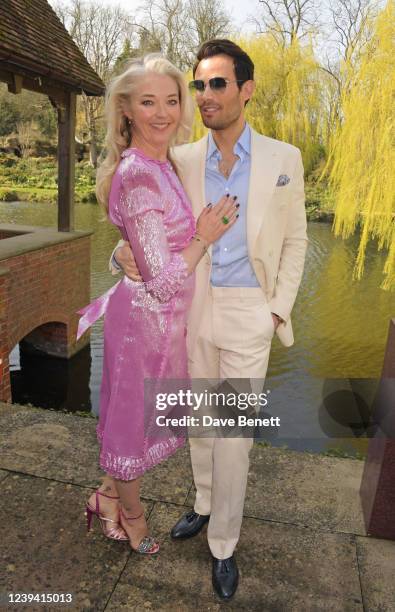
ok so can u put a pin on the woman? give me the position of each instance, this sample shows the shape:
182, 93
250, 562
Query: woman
147, 110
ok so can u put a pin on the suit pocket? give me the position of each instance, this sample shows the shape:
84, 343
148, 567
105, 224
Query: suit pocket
266, 321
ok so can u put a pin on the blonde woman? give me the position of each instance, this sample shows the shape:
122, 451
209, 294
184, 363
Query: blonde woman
148, 109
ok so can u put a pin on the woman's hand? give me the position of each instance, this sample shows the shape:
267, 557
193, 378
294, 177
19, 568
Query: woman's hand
214, 221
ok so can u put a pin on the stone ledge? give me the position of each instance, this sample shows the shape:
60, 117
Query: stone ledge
32, 238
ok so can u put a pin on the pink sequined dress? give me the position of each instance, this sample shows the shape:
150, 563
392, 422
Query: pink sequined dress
145, 322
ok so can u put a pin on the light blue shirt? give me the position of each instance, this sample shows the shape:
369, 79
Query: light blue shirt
231, 266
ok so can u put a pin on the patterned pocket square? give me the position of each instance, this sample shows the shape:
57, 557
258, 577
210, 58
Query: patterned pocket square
282, 180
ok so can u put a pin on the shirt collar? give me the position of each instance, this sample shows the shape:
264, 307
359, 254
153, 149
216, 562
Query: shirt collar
241, 148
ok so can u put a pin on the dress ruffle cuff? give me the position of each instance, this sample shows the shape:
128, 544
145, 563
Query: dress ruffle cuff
169, 280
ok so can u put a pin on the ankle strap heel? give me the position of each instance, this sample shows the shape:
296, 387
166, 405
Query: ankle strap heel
111, 529
147, 546
131, 518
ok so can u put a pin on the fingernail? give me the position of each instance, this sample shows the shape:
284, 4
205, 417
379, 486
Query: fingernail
235, 198
209, 204
237, 216
237, 205
227, 195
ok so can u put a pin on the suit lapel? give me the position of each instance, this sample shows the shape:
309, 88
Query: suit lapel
192, 167
265, 169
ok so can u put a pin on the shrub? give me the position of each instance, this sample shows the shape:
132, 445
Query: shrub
8, 196
8, 162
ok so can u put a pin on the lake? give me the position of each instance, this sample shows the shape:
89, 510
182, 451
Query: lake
318, 386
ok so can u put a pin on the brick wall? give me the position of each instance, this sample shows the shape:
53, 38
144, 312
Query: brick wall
5, 387
40, 292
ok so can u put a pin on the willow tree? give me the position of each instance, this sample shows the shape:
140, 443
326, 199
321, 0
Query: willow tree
362, 154
287, 103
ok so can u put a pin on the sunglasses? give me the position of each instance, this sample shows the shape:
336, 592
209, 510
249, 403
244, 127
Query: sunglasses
215, 84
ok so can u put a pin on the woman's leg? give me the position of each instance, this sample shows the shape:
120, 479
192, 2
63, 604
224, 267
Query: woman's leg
108, 486
132, 508
104, 502
108, 506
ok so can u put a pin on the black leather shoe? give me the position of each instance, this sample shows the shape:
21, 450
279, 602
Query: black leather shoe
189, 525
225, 577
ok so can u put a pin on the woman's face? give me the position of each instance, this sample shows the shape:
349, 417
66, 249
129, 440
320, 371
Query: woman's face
155, 111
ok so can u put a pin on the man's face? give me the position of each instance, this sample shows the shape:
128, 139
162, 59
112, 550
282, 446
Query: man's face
221, 109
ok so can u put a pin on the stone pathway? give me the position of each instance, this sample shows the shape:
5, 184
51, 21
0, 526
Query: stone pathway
303, 545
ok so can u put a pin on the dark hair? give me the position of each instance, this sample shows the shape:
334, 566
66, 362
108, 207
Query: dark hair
242, 63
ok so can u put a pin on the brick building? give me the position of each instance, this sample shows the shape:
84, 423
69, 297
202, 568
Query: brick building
44, 273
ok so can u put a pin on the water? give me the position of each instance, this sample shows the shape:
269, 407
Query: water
340, 328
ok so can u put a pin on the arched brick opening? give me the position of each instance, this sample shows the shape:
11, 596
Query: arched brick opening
50, 338
42, 374
44, 281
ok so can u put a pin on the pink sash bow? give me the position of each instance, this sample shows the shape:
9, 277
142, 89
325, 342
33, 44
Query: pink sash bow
94, 310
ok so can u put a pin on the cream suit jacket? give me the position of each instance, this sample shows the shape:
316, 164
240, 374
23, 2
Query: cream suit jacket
276, 225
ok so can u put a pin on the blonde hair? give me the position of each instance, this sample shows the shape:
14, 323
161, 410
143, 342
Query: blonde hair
119, 131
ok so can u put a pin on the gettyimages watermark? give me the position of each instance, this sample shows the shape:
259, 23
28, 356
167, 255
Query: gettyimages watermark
207, 407
267, 410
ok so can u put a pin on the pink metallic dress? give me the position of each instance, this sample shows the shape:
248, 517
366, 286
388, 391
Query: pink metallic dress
145, 322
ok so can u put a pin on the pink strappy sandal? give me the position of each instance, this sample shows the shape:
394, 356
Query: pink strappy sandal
115, 532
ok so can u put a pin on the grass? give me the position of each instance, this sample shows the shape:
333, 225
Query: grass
37, 194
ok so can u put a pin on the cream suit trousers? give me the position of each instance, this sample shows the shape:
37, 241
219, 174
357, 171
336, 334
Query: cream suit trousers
234, 341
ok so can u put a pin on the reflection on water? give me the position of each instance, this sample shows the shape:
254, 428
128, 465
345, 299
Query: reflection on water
340, 330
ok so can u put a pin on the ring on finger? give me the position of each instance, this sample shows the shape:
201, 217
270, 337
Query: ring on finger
225, 220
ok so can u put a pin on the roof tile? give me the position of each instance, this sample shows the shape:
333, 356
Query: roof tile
32, 36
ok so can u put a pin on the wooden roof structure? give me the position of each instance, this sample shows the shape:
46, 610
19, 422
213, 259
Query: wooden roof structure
35, 44
37, 53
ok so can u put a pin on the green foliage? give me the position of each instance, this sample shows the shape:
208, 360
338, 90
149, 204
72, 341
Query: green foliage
9, 117
319, 201
35, 179
8, 162
89, 196
336, 451
25, 107
362, 154
127, 53
8, 196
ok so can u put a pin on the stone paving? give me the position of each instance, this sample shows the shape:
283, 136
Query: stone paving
303, 545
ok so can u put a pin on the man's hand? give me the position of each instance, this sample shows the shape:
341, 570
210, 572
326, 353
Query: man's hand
124, 258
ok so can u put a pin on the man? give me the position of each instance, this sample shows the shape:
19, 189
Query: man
246, 284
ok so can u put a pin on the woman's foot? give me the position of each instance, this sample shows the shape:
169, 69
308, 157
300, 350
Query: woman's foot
137, 530
104, 503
